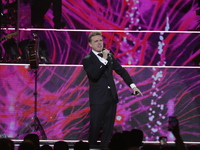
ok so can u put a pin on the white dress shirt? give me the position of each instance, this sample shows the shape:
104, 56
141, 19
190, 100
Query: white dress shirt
104, 61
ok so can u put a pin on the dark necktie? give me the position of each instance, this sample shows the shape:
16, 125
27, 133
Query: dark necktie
100, 54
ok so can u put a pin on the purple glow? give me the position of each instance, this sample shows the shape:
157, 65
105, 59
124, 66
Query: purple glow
63, 101
63, 90
140, 48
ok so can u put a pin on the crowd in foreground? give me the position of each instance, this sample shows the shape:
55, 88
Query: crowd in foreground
127, 140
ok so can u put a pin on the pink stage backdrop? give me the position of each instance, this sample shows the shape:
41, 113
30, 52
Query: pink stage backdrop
63, 101
145, 47
150, 37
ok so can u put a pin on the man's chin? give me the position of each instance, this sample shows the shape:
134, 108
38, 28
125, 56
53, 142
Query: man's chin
98, 50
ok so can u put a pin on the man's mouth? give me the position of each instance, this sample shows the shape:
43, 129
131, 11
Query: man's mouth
99, 46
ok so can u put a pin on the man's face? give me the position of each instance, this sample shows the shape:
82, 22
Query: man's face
96, 43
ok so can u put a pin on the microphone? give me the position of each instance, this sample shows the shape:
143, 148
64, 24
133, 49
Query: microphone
109, 54
136, 93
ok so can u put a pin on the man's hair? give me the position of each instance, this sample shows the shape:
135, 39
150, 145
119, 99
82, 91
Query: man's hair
93, 34
34, 138
61, 145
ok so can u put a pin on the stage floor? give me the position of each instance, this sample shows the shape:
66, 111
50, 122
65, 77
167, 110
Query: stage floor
71, 143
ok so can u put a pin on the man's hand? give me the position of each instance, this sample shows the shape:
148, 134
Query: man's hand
174, 128
105, 53
136, 91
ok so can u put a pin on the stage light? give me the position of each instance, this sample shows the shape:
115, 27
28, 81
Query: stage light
11, 51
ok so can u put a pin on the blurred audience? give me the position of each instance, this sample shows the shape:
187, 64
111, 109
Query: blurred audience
193, 147
6, 144
150, 147
134, 139
27, 145
46, 147
81, 146
117, 142
127, 140
105, 148
61, 145
174, 128
34, 138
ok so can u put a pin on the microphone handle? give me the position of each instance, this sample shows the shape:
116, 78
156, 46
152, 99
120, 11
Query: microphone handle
136, 93
109, 55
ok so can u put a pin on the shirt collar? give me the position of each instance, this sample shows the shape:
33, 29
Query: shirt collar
96, 53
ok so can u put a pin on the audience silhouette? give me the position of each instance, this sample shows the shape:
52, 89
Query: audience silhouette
176, 132
46, 147
127, 140
61, 145
27, 145
193, 147
6, 144
34, 138
81, 146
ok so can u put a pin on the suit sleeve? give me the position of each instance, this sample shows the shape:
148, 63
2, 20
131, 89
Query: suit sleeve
122, 72
94, 71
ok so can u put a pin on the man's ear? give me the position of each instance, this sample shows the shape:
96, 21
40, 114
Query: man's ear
90, 44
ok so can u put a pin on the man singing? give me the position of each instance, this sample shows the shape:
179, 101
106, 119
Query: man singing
99, 65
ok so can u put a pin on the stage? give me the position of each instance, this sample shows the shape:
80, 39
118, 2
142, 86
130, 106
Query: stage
71, 143
157, 42
62, 101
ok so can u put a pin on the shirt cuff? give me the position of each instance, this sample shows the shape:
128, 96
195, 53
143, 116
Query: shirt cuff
132, 85
104, 61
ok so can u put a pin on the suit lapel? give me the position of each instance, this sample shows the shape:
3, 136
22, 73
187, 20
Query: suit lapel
96, 62
109, 70
95, 59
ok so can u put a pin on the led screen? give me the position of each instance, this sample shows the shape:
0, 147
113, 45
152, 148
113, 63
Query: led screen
157, 41
62, 101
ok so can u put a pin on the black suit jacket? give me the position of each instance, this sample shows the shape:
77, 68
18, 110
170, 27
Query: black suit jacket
101, 76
